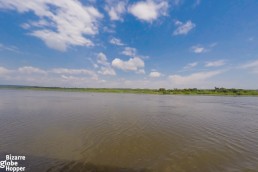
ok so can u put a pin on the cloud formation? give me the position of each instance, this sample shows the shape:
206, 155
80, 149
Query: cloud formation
183, 28
194, 78
31, 70
116, 41
61, 23
149, 10
64, 77
198, 49
9, 48
133, 64
155, 74
105, 66
253, 66
190, 65
71, 71
216, 63
116, 9
4, 71
128, 51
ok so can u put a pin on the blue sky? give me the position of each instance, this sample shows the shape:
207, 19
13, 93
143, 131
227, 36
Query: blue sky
129, 43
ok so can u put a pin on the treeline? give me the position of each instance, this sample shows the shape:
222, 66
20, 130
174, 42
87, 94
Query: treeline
188, 91
215, 91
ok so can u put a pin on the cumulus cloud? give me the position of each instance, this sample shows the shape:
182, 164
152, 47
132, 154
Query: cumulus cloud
128, 51
149, 10
116, 9
155, 74
107, 70
116, 41
133, 64
66, 77
105, 66
61, 23
102, 59
183, 28
216, 63
141, 71
194, 78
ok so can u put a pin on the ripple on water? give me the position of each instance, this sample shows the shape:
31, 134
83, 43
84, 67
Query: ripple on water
116, 132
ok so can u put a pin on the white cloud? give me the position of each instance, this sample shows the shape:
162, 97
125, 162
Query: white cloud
77, 80
105, 68
95, 65
141, 71
74, 78
216, 63
253, 66
128, 51
133, 64
40, 24
71, 21
183, 28
149, 10
198, 49
31, 70
54, 77
9, 48
4, 71
115, 9
63, 77
190, 65
116, 41
108, 29
102, 59
194, 78
155, 74
73, 71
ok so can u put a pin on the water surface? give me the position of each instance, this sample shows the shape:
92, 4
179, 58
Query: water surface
69, 131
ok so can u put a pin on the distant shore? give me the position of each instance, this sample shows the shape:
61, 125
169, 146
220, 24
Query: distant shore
160, 91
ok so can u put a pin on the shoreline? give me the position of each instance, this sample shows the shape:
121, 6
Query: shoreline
161, 91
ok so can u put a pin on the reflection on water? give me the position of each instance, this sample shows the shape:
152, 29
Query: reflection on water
62, 131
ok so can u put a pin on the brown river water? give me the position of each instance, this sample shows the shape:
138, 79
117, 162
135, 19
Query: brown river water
106, 132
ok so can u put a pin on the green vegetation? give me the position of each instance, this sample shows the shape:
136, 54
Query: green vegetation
189, 91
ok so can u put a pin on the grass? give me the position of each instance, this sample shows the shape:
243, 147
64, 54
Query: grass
190, 91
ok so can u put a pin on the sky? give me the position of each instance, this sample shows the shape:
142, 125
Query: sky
129, 43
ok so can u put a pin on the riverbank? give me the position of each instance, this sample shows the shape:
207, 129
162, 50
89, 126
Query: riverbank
190, 91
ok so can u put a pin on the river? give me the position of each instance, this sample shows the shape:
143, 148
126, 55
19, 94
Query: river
72, 131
